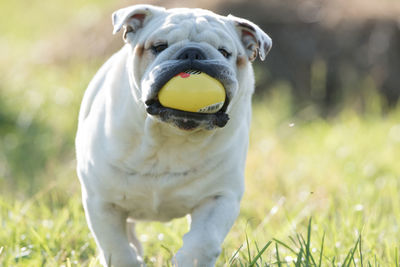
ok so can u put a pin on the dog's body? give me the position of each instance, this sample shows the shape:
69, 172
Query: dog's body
139, 160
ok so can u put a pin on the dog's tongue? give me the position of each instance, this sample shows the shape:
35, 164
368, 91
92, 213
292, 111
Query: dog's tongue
183, 75
187, 73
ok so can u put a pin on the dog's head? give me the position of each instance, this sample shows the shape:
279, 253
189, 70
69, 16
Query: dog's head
167, 42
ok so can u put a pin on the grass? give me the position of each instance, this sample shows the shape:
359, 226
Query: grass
319, 191
342, 173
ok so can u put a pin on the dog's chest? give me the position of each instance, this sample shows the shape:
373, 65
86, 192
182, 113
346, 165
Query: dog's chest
166, 183
161, 175
154, 205
164, 197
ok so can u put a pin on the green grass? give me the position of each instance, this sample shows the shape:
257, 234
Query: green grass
319, 191
342, 173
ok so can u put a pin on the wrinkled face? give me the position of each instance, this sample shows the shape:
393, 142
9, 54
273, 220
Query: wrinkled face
166, 43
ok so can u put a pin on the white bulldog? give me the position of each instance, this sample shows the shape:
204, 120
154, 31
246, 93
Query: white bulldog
138, 160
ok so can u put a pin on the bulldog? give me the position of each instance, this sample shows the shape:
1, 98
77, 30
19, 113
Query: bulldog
140, 161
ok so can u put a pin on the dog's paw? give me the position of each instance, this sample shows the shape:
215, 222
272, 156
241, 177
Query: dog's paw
201, 257
122, 261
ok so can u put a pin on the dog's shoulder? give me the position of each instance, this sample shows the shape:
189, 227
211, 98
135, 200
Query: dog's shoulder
98, 81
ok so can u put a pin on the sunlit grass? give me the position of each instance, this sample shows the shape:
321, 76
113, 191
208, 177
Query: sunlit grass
340, 172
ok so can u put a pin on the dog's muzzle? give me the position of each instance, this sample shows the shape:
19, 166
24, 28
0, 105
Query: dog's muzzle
189, 58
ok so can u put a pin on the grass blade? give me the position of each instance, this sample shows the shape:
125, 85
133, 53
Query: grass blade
171, 254
322, 249
248, 248
253, 262
277, 255
360, 251
286, 246
305, 247
258, 251
293, 240
298, 260
350, 255
233, 258
308, 252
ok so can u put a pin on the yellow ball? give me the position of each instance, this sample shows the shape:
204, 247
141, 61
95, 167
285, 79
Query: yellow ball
193, 91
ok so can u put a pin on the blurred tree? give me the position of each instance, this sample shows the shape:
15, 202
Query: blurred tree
328, 49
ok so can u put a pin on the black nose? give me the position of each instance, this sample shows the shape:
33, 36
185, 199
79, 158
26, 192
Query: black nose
191, 53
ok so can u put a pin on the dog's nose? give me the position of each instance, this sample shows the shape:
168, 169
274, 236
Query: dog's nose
191, 53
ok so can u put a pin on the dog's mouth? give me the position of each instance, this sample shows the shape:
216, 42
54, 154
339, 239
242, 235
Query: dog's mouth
187, 120
182, 119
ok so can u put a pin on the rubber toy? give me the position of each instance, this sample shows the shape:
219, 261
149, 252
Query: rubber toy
193, 91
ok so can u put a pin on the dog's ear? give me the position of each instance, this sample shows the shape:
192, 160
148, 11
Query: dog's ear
133, 18
255, 41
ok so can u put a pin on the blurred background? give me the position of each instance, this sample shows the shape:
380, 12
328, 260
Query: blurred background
327, 56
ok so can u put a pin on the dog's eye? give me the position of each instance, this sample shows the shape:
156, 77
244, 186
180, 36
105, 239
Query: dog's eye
159, 48
224, 52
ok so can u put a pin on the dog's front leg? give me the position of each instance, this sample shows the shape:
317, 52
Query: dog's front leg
211, 222
108, 225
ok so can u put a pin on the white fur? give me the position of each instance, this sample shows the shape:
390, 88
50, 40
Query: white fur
132, 165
